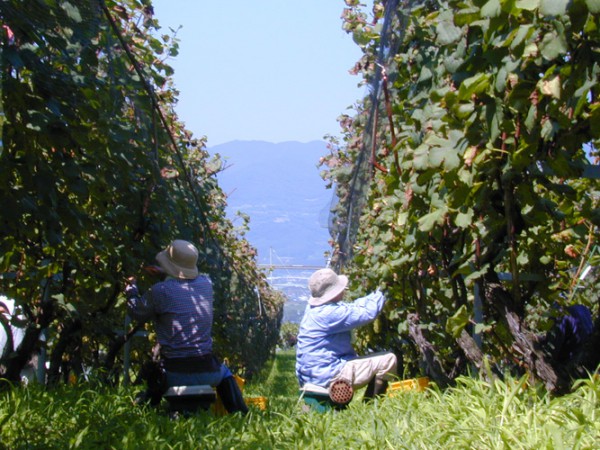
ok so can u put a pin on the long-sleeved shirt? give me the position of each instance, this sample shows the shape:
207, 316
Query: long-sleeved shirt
182, 311
325, 340
13, 334
569, 333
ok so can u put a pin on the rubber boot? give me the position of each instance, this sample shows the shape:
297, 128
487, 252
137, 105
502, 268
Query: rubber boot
153, 375
375, 388
231, 396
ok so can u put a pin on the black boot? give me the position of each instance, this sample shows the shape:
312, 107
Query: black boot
153, 375
375, 388
231, 396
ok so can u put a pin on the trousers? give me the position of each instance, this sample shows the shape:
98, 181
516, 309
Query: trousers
361, 370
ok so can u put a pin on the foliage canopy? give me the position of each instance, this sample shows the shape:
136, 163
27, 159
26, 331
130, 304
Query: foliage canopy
464, 176
98, 174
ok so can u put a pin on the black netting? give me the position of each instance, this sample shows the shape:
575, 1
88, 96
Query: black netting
345, 217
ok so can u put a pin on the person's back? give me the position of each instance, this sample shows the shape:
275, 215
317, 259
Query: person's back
182, 310
568, 334
12, 332
10, 335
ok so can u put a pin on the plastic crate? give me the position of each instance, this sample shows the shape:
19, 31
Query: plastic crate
413, 384
218, 409
260, 402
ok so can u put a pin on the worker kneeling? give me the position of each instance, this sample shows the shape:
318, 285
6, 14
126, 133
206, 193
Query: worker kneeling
324, 353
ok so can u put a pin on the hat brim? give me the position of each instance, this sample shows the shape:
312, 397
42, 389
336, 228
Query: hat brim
173, 269
331, 293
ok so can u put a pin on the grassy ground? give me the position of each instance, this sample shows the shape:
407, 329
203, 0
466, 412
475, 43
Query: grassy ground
474, 415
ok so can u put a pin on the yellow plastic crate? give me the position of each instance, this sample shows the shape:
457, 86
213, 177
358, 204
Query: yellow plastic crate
218, 409
414, 384
259, 402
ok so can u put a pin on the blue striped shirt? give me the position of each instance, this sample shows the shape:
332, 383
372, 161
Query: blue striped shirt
182, 312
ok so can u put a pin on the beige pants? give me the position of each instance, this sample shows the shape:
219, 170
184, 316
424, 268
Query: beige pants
361, 370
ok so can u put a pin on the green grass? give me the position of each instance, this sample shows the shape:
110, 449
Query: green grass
473, 415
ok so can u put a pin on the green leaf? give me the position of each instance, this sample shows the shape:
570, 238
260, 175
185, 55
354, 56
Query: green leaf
465, 176
464, 220
521, 33
473, 85
436, 157
523, 258
464, 110
501, 78
491, 9
481, 328
593, 6
474, 274
361, 38
531, 118
80, 437
421, 157
551, 87
451, 158
458, 321
494, 115
447, 33
582, 93
528, 5
595, 120
530, 49
553, 7
428, 221
466, 16
402, 218
553, 46
425, 74
72, 11
453, 62
548, 130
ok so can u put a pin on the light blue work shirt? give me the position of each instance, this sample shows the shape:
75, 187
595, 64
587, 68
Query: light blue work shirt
325, 338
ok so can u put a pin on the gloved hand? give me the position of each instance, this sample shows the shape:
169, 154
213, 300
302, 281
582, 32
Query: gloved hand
382, 287
156, 271
131, 289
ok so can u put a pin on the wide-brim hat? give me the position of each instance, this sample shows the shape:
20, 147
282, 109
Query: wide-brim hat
325, 285
179, 259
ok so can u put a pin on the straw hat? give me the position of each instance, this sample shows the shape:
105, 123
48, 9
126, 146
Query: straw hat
179, 259
325, 285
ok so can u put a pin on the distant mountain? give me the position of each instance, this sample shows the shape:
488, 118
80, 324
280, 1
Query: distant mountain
279, 187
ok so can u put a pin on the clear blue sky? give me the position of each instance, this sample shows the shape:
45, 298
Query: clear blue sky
271, 70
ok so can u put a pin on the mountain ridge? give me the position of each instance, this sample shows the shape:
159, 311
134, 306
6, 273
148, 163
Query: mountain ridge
279, 187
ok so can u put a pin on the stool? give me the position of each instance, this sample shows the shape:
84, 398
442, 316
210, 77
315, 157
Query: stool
189, 399
319, 398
